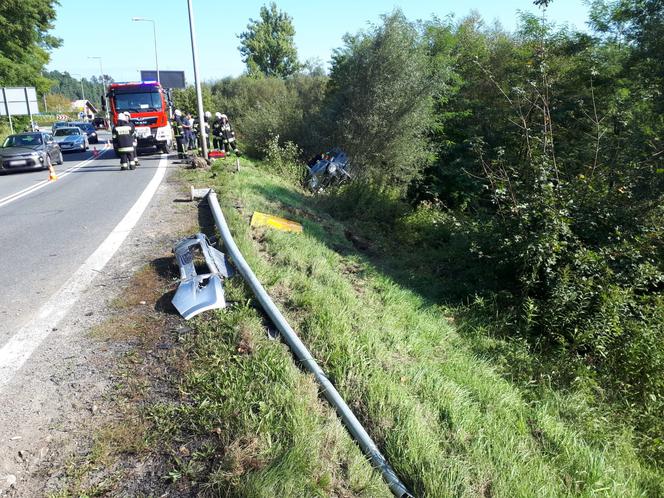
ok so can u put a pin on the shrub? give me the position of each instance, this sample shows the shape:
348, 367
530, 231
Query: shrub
284, 160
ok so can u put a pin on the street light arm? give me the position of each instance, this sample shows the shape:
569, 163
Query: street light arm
154, 33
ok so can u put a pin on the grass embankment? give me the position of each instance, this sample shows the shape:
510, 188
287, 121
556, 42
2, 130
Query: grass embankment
445, 419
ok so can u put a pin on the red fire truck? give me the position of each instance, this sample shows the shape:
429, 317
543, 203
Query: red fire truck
147, 105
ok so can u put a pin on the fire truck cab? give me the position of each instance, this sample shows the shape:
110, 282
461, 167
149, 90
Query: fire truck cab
146, 103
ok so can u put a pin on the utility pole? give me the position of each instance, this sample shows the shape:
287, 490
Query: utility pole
197, 81
103, 84
154, 33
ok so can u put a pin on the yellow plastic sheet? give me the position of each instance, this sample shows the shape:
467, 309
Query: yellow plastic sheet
267, 220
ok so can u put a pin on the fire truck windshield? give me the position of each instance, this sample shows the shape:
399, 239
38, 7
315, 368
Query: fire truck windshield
138, 102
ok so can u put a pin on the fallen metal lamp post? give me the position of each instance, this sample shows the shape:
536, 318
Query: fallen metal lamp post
304, 356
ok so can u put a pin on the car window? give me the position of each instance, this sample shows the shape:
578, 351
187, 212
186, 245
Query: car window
60, 132
22, 141
84, 126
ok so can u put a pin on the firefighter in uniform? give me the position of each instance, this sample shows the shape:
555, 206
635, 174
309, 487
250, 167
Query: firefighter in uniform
217, 140
228, 136
176, 123
123, 140
134, 156
206, 122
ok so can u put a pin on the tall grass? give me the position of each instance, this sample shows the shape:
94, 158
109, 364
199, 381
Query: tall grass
444, 417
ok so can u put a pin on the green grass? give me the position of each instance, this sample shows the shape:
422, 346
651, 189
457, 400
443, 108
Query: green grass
444, 416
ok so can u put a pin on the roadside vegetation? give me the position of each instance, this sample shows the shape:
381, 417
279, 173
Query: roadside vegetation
435, 390
523, 171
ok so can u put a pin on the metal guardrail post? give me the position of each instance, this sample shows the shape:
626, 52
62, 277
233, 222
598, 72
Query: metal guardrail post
304, 356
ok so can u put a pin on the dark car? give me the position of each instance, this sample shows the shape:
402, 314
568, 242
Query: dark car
25, 151
89, 129
58, 124
100, 123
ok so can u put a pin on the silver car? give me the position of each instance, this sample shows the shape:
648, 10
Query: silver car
71, 138
26, 151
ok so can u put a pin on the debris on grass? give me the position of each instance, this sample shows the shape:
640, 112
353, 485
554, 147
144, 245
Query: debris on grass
267, 220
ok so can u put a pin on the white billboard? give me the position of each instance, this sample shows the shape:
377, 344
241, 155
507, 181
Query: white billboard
18, 101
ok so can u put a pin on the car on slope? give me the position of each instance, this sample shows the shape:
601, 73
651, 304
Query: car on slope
26, 151
71, 138
89, 130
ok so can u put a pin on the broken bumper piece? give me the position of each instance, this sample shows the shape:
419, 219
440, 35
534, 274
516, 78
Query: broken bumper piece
199, 292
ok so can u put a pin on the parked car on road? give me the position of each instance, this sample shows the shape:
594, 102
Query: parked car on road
59, 124
71, 138
25, 151
100, 123
89, 130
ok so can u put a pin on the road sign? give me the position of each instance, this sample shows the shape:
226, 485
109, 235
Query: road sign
18, 101
168, 79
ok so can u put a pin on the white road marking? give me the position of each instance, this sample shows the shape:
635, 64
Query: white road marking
22, 193
20, 347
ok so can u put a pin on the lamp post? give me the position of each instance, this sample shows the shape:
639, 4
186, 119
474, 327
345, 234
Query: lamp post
103, 83
154, 33
197, 81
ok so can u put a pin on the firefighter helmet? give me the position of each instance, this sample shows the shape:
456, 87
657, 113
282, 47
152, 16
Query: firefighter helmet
217, 115
208, 114
178, 112
223, 116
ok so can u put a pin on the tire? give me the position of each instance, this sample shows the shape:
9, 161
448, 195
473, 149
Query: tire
165, 148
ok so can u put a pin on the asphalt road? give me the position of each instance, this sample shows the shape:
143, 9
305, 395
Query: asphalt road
47, 233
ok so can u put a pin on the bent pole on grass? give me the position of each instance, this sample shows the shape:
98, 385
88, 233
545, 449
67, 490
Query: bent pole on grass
304, 356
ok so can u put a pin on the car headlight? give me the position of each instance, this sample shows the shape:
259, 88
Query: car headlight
332, 168
93, 134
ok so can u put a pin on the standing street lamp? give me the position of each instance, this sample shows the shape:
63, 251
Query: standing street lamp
197, 81
154, 32
103, 83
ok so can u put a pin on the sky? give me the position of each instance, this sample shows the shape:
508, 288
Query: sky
126, 47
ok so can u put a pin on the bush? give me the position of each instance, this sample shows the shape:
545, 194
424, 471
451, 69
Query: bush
380, 98
284, 160
262, 108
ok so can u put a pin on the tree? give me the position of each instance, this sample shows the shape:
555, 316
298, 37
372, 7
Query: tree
56, 102
25, 42
185, 100
69, 86
267, 46
380, 99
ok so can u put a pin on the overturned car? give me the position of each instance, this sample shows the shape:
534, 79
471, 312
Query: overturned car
328, 169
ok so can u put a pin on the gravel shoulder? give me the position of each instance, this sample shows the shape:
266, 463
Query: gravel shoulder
54, 406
